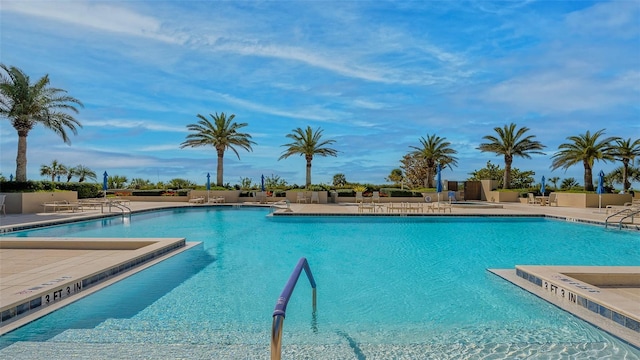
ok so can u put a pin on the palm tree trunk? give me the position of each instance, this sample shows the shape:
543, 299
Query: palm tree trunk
588, 176
308, 182
21, 158
220, 169
506, 180
625, 179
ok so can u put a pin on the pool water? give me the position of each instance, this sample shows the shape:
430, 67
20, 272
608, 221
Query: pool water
387, 287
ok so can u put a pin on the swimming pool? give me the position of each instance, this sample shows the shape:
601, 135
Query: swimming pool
387, 287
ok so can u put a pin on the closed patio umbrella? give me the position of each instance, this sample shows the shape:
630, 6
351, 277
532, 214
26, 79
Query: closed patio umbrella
600, 188
542, 187
104, 183
438, 182
208, 185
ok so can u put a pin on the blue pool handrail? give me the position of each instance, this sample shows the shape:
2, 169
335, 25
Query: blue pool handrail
279, 312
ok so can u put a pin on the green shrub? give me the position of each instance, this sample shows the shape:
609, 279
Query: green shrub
394, 192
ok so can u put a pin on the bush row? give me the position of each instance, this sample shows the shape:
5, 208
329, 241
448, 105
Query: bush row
85, 190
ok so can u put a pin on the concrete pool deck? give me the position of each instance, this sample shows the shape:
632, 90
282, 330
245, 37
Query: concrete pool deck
28, 259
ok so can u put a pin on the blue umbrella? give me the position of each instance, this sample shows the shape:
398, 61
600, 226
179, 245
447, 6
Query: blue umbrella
438, 182
104, 183
600, 189
262, 183
208, 182
542, 188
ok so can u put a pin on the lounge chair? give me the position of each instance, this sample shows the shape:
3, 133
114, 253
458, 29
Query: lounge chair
359, 197
532, 199
375, 197
553, 199
2, 207
197, 200
301, 197
315, 197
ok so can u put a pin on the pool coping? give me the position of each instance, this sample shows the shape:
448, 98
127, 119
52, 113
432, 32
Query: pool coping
593, 304
63, 289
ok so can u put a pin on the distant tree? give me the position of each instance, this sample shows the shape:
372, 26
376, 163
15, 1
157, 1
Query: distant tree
509, 143
339, 180
519, 179
245, 183
140, 184
626, 151
584, 149
274, 182
617, 175
490, 172
415, 170
178, 183
554, 180
116, 182
27, 104
308, 143
435, 150
55, 169
569, 183
83, 173
222, 134
395, 176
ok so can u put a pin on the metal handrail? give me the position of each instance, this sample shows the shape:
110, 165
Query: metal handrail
632, 211
631, 215
281, 305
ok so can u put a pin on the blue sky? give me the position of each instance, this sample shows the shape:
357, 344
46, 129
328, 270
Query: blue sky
375, 76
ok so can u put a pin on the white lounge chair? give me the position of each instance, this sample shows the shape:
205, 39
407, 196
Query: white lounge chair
553, 199
301, 197
532, 199
2, 207
315, 197
359, 197
375, 197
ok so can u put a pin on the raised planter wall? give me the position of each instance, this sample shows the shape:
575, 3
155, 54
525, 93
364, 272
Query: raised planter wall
503, 196
31, 203
591, 200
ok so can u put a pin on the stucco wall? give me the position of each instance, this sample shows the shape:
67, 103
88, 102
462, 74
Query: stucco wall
31, 203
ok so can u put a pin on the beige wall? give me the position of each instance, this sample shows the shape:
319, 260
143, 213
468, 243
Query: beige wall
31, 203
487, 188
591, 200
503, 196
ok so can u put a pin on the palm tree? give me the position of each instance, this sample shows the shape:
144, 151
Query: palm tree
554, 180
308, 143
626, 151
83, 173
26, 104
435, 150
56, 169
510, 143
222, 135
569, 183
586, 149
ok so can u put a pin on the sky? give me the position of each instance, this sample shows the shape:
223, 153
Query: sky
375, 76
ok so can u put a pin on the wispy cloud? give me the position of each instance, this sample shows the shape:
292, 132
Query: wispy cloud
96, 15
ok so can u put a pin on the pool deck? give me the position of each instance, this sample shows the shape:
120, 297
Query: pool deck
47, 267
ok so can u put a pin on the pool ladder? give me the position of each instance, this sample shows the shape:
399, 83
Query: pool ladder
281, 306
630, 213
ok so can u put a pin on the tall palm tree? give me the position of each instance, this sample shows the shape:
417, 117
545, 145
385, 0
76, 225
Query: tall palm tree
509, 143
435, 150
26, 105
56, 169
308, 143
584, 149
222, 134
626, 151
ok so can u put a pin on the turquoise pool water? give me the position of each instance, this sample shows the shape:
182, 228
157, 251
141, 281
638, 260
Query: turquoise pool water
385, 286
